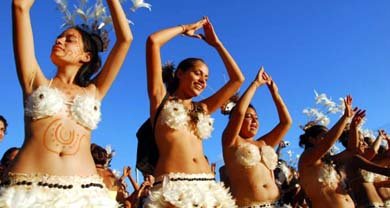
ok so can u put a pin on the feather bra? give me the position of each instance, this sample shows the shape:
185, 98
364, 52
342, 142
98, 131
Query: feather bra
175, 115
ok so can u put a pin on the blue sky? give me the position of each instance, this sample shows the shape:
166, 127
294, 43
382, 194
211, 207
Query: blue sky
336, 47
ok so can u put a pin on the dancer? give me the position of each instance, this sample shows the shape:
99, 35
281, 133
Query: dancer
54, 167
182, 169
250, 163
359, 171
319, 179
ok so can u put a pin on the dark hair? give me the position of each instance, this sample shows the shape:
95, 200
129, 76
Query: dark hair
99, 154
6, 159
312, 131
169, 73
249, 106
92, 44
4, 122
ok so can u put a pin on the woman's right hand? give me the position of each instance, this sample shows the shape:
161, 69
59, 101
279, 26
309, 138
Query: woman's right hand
348, 111
126, 171
190, 29
261, 78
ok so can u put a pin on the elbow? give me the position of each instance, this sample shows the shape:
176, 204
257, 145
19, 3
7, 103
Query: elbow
127, 39
287, 121
240, 79
152, 40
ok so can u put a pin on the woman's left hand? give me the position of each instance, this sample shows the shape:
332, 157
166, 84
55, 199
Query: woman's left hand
209, 34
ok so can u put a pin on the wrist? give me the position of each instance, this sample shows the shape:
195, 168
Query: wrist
256, 84
183, 29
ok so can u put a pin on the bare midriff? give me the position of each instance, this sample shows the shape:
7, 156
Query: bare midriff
250, 185
55, 145
180, 151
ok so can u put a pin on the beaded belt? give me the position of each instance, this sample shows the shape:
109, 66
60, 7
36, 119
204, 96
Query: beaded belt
49, 185
185, 177
275, 204
53, 182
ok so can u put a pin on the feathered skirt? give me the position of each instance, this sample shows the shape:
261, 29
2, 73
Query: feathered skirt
189, 190
42, 190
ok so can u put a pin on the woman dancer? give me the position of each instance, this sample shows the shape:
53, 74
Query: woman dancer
319, 179
183, 176
250, 163
54, 167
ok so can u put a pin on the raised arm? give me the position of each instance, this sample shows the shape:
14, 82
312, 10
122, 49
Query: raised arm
156, 88
377, 143
233, 128
236, 78
127, 173
274, 137
314, 154
29, 72
353, 135
118, 53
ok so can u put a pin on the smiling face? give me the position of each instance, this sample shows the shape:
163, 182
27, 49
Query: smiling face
193, 81
69, 49
250, 124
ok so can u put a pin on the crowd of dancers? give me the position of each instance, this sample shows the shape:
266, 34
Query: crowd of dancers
57, 166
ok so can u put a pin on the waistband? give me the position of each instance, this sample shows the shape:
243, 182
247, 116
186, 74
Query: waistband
52, 181
262, 205
198, 177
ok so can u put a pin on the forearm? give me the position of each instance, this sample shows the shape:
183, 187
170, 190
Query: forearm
121, 25
377, 144
133, 182
23, 42
161, 37
232, 68
284, 115
335, 132
353, 138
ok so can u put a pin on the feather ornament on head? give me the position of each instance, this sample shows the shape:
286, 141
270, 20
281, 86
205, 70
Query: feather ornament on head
319, 115
228, 106
110, 155
94, 18
139, 4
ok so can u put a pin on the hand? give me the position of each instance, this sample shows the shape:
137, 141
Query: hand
209, 34
190, 29
127, 171
283, 144
262, 77
213, 167
382, 134
358, 117
348, 112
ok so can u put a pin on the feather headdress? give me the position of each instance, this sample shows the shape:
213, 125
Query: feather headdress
319, 115
94, 18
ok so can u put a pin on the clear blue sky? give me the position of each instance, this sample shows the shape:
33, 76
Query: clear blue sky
336, 47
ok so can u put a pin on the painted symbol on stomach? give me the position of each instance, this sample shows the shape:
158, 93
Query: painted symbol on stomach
61, 140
